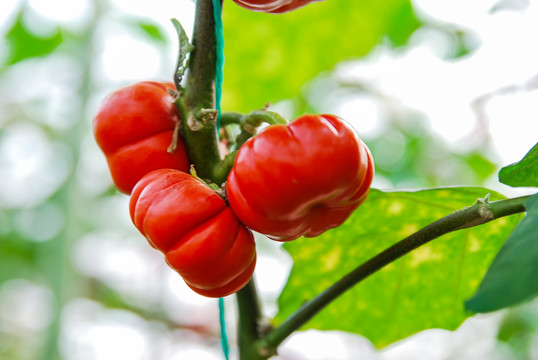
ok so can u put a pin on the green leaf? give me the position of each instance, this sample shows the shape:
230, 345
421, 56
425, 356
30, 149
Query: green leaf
402, 23
522, 173
22, 44
513, 275
17, 258
481, 166
185, 47
148, 28
270, 57
424, 289
518, 329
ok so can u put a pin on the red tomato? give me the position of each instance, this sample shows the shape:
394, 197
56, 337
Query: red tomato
198, 233
292, 5
134, 127
300, 179
272, 6
261, 5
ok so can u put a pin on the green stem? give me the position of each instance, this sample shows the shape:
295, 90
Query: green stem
222, 170
250, 321
253, 120
200, 84
197, 105
200, 136
249, 124
480, 213
229, 118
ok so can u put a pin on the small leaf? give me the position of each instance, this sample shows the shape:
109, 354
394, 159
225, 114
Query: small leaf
185, 47
513, 275
424, 289
522, 173
22, 44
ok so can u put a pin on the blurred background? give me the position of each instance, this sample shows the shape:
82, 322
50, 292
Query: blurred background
443, 92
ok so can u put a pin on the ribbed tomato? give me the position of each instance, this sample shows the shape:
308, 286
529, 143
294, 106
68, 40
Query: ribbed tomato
300, 179
273, 6
134, 127
198, 233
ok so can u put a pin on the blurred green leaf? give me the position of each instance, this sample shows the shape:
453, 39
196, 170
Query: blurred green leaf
402, 23
422, 290
481, 166
464, 44
513, 325
512, 277
23, 44
517, 330
17, 258
148, 28
270, 57
522, 173
409, 155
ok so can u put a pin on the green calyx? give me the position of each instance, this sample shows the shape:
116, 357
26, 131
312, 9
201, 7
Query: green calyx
246, 126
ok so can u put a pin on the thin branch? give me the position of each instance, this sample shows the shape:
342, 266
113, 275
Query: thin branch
477, 214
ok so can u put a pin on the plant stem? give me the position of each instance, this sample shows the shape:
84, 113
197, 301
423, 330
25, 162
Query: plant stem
197, 105
250, 317
200, 86
477, 214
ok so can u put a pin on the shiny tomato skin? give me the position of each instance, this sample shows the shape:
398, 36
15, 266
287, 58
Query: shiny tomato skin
262, 5
292, 6
197, 232
134, 127
300, 179
272, 6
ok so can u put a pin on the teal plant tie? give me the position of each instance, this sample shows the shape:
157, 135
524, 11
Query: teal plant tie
223, 336
217, 14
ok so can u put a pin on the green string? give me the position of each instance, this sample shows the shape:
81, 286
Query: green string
223, 336
217, 14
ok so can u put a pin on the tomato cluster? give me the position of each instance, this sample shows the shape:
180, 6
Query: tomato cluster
190, 223
273, 6
299, 179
